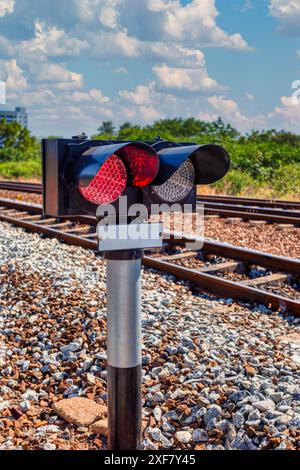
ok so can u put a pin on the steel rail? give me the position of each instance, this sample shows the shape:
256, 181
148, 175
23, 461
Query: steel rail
21, 187
251, 209
274, 203
245, 215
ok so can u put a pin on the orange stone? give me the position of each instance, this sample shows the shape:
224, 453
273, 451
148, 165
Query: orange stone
100, 427
80, 411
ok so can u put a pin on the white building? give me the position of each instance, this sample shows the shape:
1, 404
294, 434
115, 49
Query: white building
18, 115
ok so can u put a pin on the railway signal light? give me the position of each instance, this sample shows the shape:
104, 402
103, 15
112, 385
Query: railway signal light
80, 174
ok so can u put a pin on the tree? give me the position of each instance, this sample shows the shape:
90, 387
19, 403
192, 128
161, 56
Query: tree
16, 143
126, 125
107, 127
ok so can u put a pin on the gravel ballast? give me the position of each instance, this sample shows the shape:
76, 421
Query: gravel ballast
217, 375
267, 237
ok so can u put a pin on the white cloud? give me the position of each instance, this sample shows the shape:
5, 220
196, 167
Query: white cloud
288, 13
207, 116
109, 14
194, 24
6, 47
284, 9
197, 21
287, 114
174, 54
6, 6
192, 80
249, 96
220, 103
166, 20
228, 109
141, 96
35, 98
128, 45
12, 74
150, 113
51, 41
121, 70
248, 5
141, 114
120, 44
105, 11
146, 104
162, 20
92, 96
144, 95
54, 97
105, 45
56, 74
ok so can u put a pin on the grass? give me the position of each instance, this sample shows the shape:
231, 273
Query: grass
26, 170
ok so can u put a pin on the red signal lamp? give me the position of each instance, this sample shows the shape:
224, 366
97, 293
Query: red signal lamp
108, 184
143, 164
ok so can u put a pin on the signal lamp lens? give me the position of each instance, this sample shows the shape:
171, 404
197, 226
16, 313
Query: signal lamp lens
143, 164
108, 184
177, 187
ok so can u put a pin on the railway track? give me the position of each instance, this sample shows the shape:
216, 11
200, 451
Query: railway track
35, 188
280, 212
279, 216
220, 263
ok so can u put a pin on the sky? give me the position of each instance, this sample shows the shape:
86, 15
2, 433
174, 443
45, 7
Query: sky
76, 63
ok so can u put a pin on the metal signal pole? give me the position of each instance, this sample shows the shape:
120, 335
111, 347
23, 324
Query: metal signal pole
124, 349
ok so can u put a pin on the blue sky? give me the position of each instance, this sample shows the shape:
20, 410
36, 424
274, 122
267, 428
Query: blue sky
74, 63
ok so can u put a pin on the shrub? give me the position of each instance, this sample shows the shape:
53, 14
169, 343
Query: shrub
236, 183
25, 169
287, 180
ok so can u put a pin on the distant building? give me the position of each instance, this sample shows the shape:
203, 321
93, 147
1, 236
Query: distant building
18, 115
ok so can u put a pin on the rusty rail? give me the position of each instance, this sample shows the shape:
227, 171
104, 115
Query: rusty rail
244, 201
21, 187
224, 287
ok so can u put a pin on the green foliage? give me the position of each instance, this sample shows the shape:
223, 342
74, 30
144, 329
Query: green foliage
286, 180
237, 183
107, 127
19, 152
16, 143
20, 169
262, 159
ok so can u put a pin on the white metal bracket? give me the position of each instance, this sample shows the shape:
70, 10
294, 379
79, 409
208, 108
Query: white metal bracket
130, 236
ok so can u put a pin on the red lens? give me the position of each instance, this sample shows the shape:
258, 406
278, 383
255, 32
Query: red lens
143, 164
108, 184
